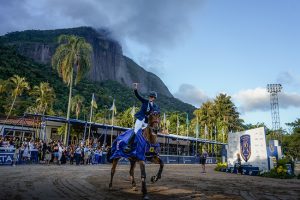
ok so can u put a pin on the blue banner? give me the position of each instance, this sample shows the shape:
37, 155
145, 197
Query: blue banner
6, 156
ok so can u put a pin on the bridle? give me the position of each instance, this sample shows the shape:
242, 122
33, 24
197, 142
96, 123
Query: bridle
155, 121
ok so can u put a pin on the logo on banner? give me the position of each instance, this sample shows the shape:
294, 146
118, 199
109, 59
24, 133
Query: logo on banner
245, 145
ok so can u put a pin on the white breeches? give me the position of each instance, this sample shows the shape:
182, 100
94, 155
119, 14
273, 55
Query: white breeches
139, 124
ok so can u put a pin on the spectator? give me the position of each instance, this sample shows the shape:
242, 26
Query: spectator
48, 156
72, 154
26, 154
78, 155
55, 153
16, 155
60, 152
203, 160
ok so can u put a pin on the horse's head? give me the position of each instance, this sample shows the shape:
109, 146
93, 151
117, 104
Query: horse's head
154, 121
150, 133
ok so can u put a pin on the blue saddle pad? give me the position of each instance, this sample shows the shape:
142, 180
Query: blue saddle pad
139, 146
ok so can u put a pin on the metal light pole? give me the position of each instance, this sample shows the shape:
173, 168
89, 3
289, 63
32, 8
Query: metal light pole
274, 89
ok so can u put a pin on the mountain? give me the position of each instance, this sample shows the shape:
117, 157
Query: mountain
108, 61
12, 62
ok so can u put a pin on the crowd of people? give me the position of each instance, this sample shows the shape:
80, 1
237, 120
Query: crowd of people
39, 151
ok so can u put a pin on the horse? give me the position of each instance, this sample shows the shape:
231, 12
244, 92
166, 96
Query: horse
150, 135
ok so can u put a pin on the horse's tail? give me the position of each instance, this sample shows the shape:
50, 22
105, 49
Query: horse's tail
108, 155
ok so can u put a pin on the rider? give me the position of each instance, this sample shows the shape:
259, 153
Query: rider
148, 105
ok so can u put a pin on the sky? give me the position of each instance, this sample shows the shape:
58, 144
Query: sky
199, 48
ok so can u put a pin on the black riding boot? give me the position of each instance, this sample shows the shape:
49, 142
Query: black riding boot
128, 147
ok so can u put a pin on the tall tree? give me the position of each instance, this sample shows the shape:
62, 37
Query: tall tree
3, 84
45, 96
77, 104
290, 142
73, 54
18, 86
218, 115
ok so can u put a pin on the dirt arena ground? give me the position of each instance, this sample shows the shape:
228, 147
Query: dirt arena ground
178, 182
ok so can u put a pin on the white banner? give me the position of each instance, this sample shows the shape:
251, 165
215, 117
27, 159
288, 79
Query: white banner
251, 145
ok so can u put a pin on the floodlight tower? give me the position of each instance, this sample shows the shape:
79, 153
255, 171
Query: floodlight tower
274, 89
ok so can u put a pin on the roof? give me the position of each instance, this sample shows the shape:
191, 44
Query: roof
21, 121
99, 125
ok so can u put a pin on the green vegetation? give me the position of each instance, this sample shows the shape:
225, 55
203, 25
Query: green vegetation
220, 166
218, 116
291, 141
46, 36
280, 171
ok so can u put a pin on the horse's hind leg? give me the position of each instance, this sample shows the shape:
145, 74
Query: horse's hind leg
143, 177
131, 173
113, 170
159, 161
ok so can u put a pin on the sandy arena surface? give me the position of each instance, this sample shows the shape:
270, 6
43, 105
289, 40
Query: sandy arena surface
178, 182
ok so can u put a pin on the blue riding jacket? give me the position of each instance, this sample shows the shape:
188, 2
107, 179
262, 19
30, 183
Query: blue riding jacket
146, 108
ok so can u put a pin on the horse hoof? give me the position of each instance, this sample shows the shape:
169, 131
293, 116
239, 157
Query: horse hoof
110, 186
146, 197
134, 189
153, 179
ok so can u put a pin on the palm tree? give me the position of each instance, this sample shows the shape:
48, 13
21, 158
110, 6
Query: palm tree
76, 105
73, 54
3, 84
19, 85
45, 97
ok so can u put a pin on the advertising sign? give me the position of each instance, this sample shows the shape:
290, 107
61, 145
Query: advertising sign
251, 146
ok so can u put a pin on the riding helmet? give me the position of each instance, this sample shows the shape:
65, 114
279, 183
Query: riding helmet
153, 94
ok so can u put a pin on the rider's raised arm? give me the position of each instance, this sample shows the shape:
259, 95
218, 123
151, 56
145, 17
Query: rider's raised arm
139, 96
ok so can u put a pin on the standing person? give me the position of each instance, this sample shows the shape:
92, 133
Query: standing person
238, 164
16, 155
148, 105
55, 153
72, 154
48, 156
78, 155
203, 160
44, 149
60, 152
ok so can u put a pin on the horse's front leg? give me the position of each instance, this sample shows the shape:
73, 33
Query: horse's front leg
113, 171
159, 161
143, 178
131, 173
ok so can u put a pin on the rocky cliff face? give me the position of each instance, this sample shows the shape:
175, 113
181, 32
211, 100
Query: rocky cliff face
108, 61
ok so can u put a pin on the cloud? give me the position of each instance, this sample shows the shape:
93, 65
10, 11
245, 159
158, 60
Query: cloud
190, 94
154, 23
258, 99
288, 78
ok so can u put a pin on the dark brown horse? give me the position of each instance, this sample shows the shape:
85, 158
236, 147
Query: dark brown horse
150, 135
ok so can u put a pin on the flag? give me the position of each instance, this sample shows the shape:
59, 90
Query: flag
197, 128
187, 124
187, 119
93, 102
177, 126
205, 130
132, 111
215, 132
113, 107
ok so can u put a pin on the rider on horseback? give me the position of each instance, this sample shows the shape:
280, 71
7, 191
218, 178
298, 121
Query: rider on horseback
148, 105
